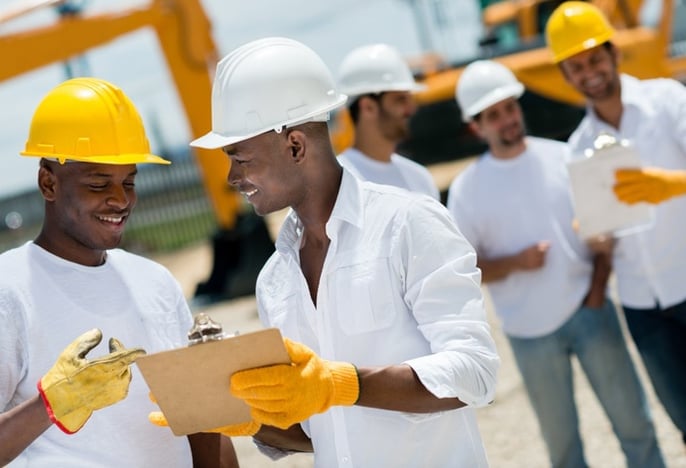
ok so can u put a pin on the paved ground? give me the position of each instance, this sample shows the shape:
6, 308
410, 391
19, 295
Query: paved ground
508, 427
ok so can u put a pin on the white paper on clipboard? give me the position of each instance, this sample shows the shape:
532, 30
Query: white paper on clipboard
597, 209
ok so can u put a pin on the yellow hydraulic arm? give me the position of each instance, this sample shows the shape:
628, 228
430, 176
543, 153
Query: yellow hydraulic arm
184, 34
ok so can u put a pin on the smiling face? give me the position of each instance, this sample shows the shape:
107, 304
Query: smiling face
87, 206
264, 169
593, 73
502, 127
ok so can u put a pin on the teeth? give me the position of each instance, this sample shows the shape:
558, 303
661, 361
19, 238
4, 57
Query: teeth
250, 193
110, 219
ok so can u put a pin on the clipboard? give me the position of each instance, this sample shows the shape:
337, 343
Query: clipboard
597, 209
191, 385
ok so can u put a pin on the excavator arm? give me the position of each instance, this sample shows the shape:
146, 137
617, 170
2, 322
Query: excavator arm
184, 34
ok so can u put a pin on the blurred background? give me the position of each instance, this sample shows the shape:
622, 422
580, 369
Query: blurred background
163, 54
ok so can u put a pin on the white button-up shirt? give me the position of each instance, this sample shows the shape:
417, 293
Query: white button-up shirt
399, 284
650, 265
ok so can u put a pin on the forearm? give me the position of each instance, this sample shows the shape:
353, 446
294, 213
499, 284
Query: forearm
398, 388
496, 269
602, 267
20, 426
212, 451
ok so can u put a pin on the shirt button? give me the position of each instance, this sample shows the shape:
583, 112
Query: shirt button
345, 459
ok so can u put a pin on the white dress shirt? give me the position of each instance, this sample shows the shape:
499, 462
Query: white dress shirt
399, 172
650, 265
399, 284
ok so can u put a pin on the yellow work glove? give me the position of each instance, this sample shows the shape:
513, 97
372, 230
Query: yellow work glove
75, 387
249, 428
286, 394
650, 184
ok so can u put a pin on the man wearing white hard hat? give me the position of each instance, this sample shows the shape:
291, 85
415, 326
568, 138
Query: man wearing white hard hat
379, 86
374, 289
548, 287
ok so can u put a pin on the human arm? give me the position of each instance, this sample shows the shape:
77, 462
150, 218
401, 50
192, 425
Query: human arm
20, 426
530, 258
602, 248
430, 281
69, 393
212, 451
649, 184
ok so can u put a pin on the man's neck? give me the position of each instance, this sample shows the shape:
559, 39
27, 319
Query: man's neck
610, 111
374, 147
508, 152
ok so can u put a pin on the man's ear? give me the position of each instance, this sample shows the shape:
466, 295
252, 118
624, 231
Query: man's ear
474, 128
47, 182
368, 105
297, 144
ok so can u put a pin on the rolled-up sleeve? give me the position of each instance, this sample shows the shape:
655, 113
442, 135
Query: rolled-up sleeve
443, 289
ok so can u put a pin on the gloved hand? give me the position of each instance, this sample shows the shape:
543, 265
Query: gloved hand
650, 184
286, 394
75, 387
249, 428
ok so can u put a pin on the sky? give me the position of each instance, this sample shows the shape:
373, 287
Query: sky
134, 62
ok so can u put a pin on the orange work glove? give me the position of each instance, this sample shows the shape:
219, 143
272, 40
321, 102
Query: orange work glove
286, 394
249, 428
75, 387
650, 184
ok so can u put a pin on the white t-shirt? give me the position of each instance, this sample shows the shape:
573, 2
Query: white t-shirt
45, 303
504, 206
399, 172
399, 284
649, 265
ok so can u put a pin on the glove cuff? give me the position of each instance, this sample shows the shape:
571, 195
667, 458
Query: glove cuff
346, 383
51, 412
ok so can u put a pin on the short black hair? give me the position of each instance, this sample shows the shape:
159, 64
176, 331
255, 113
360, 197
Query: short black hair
354, 106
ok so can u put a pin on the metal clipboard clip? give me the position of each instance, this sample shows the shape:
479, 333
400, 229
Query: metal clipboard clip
597, 209
205, 329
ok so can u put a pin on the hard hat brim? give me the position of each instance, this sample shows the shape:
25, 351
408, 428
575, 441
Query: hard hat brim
215, 140
515, 90
118, 159
356, 91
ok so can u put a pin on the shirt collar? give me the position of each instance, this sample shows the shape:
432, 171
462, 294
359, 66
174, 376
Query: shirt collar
347, 209
632, 96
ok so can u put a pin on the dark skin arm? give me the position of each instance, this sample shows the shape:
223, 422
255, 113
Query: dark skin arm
602, 266
20, 426
602, 247
395, 388
212, 451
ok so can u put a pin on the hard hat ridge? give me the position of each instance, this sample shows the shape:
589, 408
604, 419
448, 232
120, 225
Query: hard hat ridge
266, 85
484, 83
574, 27
88, 120
375, 68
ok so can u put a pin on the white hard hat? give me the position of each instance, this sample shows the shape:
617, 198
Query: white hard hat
374, 69
266, 85
484, 83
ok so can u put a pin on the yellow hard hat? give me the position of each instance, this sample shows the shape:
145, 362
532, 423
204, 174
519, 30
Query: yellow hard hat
89, 120
575, 27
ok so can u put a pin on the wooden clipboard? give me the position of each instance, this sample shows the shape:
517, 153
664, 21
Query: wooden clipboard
191, 385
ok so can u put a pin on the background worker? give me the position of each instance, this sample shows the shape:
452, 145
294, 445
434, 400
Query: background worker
72, 278
651, 114
379, 86
514, 205
375, 286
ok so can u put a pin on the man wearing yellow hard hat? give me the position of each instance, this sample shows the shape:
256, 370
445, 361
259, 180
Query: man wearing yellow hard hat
60, 293
651, 114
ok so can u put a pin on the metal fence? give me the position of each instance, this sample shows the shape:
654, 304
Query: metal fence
172, 211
